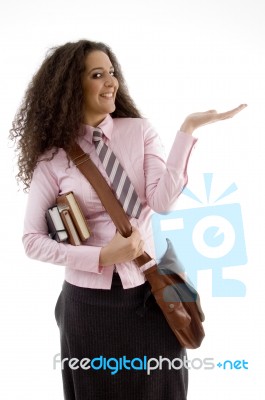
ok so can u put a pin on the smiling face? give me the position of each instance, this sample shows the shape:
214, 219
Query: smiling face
99, 88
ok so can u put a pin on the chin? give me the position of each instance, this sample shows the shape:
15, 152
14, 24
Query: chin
111, 109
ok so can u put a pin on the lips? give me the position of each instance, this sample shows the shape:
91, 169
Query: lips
107, 95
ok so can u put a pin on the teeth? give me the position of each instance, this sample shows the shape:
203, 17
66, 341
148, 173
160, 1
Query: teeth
107, 95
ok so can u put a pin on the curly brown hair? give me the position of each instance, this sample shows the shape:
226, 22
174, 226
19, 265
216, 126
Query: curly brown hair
51, 112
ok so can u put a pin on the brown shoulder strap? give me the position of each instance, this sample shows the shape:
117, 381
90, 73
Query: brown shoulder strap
106, 195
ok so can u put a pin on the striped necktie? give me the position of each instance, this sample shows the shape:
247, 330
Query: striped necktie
120, 182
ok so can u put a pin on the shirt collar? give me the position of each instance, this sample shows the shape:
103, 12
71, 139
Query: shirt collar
106, 126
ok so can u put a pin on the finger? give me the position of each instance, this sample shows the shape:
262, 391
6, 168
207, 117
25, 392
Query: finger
135, 233
134, 230
136, 237
231, 113
211, 111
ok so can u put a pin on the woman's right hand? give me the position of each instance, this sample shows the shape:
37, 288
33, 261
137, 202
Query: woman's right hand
121, 249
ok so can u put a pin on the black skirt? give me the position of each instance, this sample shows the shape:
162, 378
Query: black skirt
108, 338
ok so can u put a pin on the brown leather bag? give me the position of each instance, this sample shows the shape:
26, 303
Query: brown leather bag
177, 299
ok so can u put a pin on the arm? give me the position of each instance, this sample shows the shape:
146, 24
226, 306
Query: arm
43, 192
165, 181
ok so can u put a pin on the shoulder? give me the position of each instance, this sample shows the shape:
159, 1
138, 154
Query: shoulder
55, 154
52, 160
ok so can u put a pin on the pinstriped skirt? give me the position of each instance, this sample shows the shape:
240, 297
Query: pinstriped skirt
108, 338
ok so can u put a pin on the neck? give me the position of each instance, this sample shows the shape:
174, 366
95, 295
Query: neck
93, 121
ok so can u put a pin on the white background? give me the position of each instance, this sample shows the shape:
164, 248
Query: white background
178, 57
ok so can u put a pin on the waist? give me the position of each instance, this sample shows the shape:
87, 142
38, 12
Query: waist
116, 296
130, 276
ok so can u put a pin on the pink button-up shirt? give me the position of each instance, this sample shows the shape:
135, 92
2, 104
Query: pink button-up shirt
157, 182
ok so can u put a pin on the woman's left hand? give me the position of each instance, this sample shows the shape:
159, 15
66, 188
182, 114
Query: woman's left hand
194, 121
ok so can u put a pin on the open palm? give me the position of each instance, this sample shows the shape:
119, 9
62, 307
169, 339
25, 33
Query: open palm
195, 120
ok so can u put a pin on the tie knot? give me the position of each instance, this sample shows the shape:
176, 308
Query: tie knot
97, 136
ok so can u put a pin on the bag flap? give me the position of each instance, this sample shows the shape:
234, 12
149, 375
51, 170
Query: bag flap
170, 264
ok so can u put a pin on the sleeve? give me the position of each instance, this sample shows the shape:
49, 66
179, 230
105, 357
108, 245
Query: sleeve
38, 245
165, 180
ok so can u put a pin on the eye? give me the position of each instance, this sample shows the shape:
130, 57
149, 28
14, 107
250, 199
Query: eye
97, 75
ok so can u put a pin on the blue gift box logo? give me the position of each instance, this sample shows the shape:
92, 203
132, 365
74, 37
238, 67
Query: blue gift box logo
209, 237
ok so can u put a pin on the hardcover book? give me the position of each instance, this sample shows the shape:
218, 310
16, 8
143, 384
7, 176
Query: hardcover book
73, 237
69, 201
55, 224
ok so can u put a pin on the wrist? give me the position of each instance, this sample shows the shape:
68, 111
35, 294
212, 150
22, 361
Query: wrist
102, 257
187, 128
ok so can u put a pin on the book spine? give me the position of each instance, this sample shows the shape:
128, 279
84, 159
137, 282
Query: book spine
71, 230
56, 228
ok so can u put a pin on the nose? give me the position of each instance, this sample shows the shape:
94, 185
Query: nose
110, 81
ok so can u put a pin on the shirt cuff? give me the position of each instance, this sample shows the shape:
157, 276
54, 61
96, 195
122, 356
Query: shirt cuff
84, 258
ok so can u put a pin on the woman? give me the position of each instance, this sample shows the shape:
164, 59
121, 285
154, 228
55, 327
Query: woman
107, 330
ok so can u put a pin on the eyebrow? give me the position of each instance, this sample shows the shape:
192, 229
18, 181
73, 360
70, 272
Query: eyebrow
93, 69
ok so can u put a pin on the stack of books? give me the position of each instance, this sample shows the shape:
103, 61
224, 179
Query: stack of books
66, 221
